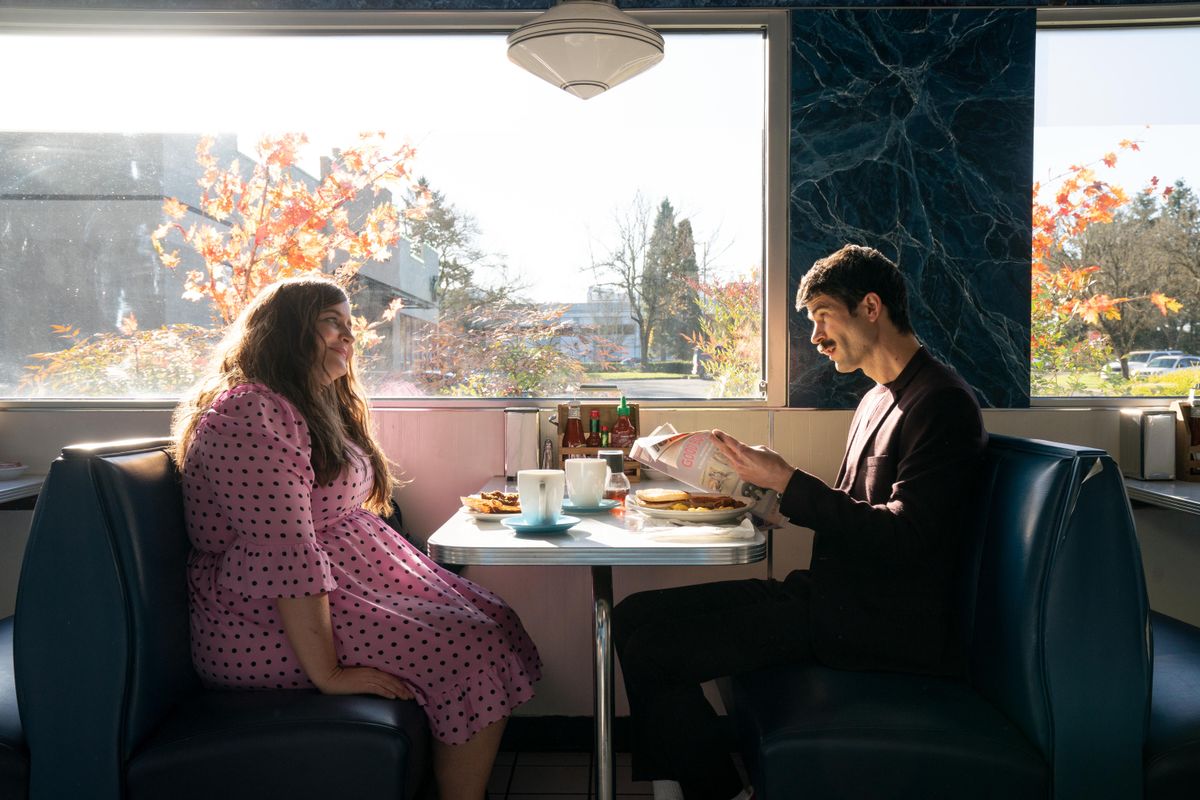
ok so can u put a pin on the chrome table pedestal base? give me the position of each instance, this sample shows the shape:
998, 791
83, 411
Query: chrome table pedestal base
602, 673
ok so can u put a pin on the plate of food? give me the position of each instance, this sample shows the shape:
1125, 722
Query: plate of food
492, 505
676, 504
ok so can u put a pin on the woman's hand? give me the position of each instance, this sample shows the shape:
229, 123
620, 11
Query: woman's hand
309, 630
364, 680
758, 465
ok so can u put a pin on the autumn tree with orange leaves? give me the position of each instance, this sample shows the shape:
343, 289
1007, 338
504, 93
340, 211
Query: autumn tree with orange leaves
251, 227
271, 224
1066, 341
729, 341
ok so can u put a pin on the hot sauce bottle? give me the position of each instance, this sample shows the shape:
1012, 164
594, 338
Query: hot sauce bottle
623, 432
593, 437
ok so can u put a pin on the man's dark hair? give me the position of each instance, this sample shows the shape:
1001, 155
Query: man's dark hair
852, 272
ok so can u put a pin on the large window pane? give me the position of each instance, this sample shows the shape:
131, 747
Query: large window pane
529, 244
1116, 212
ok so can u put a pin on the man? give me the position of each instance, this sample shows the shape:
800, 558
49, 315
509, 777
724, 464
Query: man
878, 593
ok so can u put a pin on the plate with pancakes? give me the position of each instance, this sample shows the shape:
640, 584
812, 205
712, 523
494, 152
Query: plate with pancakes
678, 505
492, 505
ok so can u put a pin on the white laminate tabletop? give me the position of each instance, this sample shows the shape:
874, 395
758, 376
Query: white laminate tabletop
598, 539
1177, 495
18, 488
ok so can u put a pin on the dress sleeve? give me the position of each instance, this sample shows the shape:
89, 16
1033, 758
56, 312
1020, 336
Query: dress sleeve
257, 458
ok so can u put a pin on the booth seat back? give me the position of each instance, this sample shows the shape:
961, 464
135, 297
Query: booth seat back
102, 640
14, 757
1056, 614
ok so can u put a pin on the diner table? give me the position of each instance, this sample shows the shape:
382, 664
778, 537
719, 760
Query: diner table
600, 541
19, 493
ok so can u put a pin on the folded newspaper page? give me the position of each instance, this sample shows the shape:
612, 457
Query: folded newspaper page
693, 458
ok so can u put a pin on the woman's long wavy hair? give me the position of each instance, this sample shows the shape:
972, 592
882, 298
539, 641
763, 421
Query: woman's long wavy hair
274, 342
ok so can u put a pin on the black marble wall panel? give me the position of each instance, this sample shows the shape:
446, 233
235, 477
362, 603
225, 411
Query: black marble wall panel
912, 132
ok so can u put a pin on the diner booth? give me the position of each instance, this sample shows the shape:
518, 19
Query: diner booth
932, 164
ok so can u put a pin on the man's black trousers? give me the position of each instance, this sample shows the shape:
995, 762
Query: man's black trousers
672, 640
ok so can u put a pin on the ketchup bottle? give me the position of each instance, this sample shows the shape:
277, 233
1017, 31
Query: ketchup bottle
573, 433
593, 437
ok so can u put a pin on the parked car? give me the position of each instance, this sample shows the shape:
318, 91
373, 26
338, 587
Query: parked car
1157, 366
1137, 359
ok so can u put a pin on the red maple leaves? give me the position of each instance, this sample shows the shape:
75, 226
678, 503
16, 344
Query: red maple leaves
278, 222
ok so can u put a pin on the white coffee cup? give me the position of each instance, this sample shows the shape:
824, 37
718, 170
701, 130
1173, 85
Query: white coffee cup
541, 493
585, 480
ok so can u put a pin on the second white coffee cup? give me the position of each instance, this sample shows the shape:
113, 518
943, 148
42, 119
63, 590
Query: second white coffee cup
541, 493
585, 480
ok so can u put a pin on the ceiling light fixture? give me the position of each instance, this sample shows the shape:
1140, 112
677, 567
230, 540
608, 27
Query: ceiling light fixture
585, 46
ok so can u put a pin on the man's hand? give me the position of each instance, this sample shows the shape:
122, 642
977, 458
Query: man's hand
364, 680
758, 465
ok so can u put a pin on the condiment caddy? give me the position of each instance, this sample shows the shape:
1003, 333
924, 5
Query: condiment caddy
577, 420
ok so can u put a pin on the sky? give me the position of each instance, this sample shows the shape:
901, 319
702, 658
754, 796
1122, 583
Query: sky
542, 172
1097, 87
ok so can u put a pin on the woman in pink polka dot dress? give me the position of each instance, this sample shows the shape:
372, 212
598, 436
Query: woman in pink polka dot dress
294, 582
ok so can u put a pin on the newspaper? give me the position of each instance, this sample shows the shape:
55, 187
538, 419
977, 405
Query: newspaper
693, 458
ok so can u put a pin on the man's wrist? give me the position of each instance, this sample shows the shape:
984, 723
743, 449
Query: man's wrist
781, 483
789, 479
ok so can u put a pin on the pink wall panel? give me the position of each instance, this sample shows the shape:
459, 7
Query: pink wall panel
445, 454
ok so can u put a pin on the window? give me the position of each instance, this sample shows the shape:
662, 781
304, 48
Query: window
1116, 304
527, 244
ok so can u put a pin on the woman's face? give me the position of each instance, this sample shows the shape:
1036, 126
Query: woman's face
337, 343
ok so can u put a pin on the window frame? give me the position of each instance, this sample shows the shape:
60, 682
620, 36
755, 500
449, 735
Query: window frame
774, 23
1126, 16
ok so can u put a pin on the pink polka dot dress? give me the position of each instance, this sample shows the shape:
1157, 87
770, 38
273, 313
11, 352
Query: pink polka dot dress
261, 528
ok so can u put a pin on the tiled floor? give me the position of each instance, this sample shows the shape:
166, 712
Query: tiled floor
556, 776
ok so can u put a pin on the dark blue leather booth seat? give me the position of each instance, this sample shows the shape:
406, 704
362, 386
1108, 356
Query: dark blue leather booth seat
14, 757
1057, 692
110, 703
1173, 745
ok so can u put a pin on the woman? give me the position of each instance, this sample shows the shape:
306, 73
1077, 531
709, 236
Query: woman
294, 580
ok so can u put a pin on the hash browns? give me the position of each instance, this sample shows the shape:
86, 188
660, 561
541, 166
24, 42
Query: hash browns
697, 501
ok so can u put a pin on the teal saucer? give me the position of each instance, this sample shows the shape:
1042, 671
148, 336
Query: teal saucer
605, 505
519, 525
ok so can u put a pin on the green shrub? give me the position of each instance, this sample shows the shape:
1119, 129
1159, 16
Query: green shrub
1171, 384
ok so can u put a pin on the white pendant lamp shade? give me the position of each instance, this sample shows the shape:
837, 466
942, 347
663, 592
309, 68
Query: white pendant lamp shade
585, 46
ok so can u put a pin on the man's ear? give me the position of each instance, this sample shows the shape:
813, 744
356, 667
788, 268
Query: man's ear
872, 306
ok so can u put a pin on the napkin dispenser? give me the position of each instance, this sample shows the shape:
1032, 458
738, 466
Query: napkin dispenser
1147, 440
521, 426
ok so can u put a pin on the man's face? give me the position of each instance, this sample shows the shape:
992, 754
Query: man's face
846, 338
